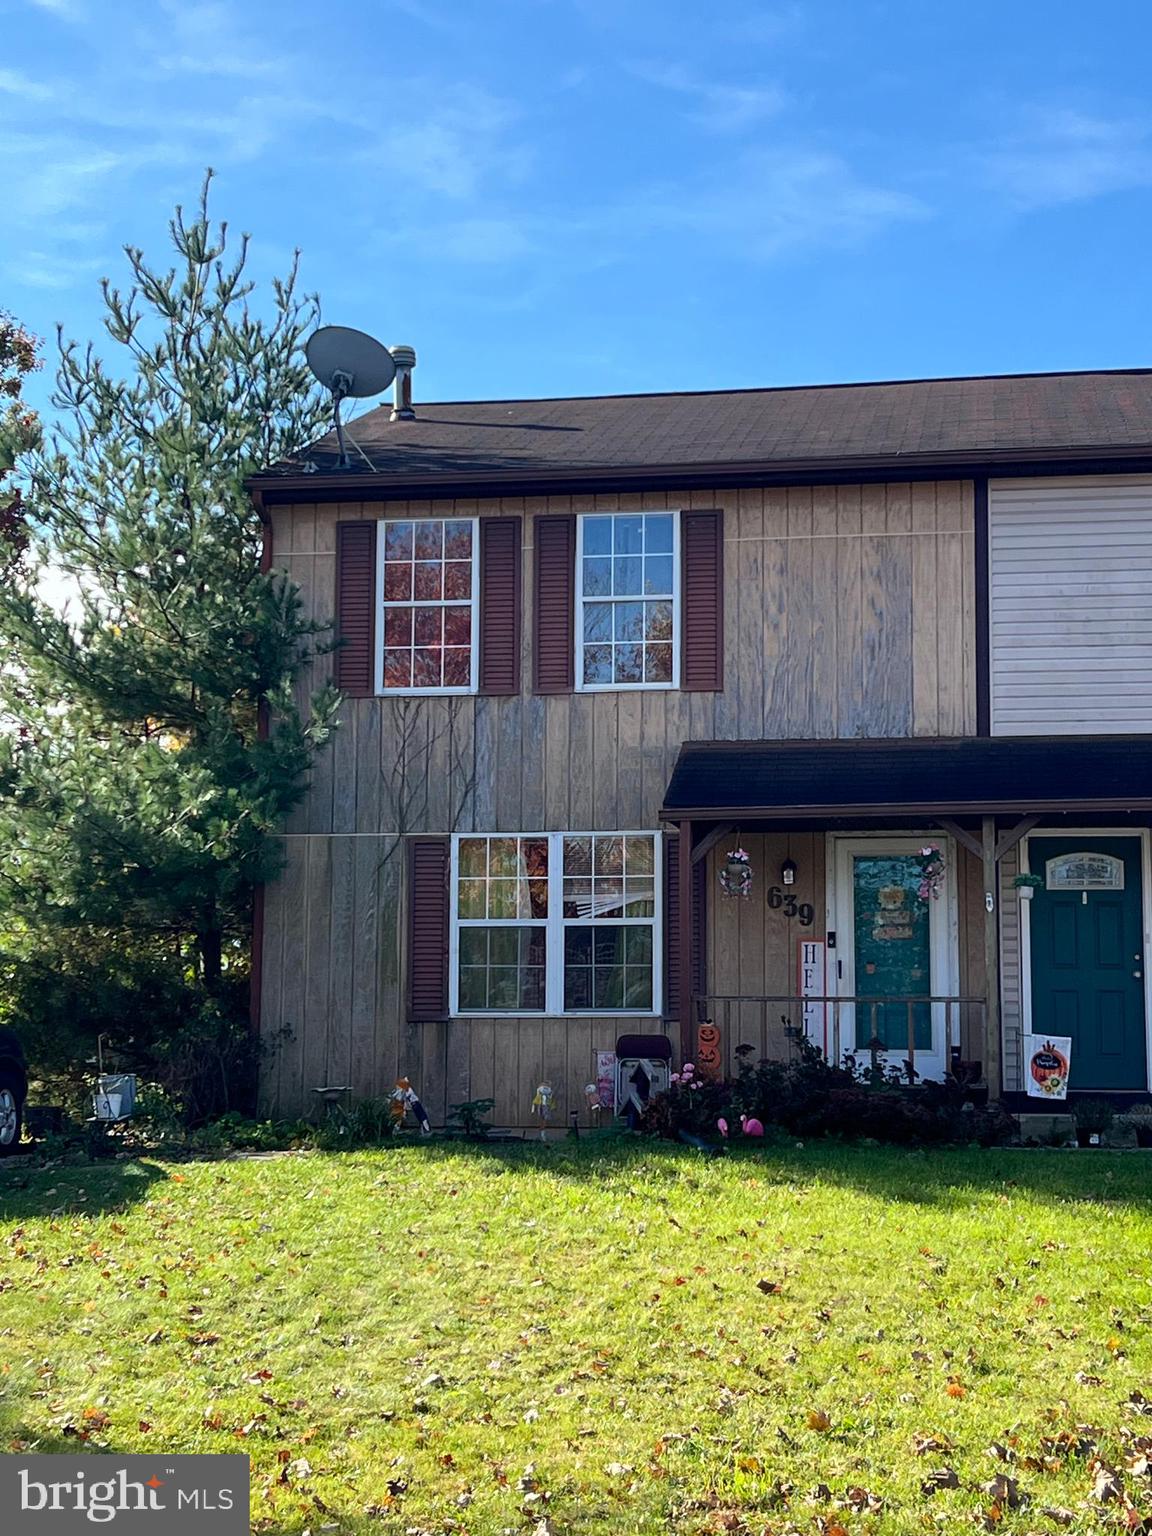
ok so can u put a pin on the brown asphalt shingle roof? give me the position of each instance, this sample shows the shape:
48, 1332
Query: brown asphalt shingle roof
979, 418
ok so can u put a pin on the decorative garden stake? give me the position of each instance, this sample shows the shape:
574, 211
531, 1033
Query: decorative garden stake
403, 1097
736, 876
542, 1107
932, 870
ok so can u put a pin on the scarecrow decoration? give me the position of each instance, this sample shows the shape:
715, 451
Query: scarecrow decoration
542, 1106
403, 1098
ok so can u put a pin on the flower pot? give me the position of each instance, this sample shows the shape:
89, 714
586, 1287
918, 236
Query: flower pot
1026, 892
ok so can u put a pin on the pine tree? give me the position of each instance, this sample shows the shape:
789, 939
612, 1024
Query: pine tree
143, 788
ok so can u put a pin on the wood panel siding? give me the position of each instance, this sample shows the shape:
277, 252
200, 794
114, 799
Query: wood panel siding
847, 613
1070, 627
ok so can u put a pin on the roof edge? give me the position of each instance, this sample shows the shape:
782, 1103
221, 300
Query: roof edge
278, 486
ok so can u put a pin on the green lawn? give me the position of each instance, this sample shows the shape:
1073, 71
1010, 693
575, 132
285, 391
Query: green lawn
615, 1337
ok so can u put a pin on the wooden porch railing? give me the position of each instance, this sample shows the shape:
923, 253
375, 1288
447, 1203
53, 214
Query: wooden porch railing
774, 1025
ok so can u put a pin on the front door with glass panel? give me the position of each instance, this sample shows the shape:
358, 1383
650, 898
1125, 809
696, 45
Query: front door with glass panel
895, 949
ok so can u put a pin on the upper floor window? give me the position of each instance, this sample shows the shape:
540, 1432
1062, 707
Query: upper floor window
628, 598
428, 578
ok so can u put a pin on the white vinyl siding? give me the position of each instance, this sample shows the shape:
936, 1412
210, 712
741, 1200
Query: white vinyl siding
1070, 605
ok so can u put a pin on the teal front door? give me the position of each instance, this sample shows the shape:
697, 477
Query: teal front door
1086, 935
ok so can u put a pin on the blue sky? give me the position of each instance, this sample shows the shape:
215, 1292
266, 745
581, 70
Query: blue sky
582, 196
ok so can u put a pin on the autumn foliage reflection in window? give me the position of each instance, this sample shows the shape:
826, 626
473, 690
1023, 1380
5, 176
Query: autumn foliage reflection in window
428, 592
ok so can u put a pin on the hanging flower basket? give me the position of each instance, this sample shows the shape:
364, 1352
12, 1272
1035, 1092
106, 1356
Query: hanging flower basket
932, 872
736, 876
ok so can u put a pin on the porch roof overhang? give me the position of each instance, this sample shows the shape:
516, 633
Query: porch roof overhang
1028, 775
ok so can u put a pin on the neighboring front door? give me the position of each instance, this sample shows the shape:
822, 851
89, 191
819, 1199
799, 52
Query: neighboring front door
893, 947
1086, 937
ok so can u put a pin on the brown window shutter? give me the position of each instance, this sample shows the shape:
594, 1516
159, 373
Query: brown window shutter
500, 609
671, 926
702, 601
672, 951
356, 608
554, 599
428, 927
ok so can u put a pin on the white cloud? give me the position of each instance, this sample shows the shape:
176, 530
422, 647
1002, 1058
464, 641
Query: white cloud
12, 83
67, 10
720, 107
51, 269
1065, 156
480, 241
454, 148
780, 200
206, 38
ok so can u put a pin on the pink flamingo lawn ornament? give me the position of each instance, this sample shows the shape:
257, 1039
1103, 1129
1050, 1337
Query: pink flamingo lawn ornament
751, 1127
722, 1127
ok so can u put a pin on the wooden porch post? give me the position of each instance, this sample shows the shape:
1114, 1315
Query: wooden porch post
687, 929
992, 1068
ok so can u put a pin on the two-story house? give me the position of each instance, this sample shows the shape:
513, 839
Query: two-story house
591, 646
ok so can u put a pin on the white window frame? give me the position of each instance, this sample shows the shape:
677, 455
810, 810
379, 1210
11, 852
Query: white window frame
578, 637
452, 602
556, 925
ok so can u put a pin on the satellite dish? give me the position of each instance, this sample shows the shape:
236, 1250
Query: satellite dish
349, 364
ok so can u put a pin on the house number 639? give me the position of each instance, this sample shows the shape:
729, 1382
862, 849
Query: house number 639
803, 911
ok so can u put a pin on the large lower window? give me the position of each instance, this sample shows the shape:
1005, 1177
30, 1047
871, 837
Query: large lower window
556, 923
626, 628
427, 583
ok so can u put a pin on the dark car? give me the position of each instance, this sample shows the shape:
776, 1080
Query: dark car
13, 1091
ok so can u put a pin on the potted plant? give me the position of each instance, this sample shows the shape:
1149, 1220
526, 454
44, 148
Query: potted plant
1139, 1121
1092, 1117
1026, 884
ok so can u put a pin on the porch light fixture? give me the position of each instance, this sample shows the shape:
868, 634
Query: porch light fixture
788, 872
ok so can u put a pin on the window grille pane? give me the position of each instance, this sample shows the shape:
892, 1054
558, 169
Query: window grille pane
502, 878
597, 535
627, 576
502, 970
605, 967
597, 577
658, 534
627, 535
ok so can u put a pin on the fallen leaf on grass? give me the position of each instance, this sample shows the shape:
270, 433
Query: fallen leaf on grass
770, 1287
818, 1420
1106, 1482
939, 1477
1005, 1491
923, 1444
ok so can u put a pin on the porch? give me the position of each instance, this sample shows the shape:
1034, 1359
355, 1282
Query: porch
832, 946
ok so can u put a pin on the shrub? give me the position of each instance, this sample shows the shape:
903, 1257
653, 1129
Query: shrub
807, 1097
470, 1119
